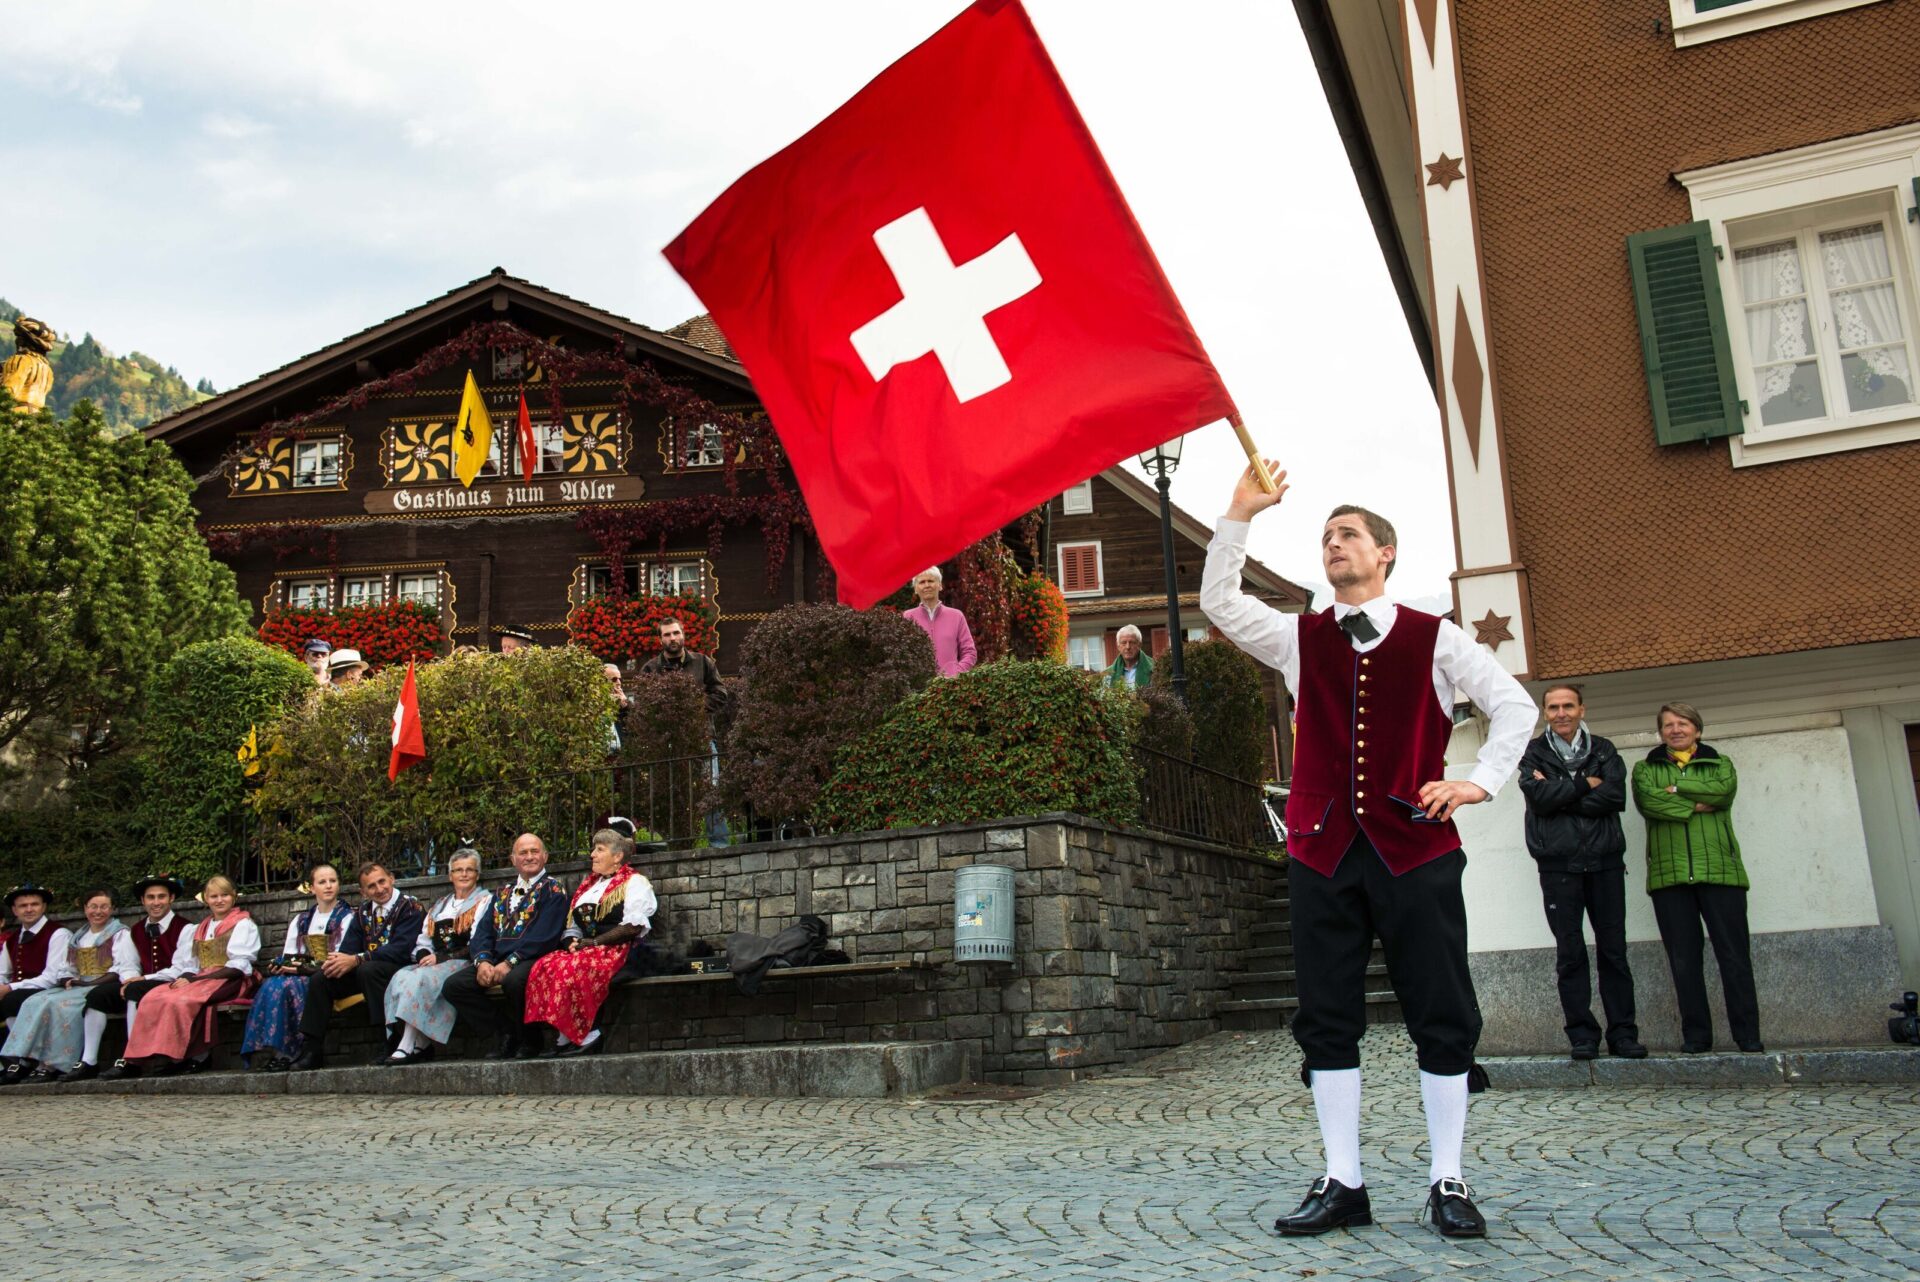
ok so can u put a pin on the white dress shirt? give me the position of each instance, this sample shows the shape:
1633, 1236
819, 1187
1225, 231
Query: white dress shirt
296, 943
448, 909
59, 960
243, 946
637, 909
125, 962
1273, 637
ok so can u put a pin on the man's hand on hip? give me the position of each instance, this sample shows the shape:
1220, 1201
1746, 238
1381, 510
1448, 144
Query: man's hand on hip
1444, 796
1249, 500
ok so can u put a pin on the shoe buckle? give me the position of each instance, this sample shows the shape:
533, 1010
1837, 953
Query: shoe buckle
1320, 1185
1450, 1187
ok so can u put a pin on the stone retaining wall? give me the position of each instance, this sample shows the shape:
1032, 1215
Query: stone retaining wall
1124, 942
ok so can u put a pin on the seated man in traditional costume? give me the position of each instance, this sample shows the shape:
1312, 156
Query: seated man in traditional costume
34, 957
613, 907
173, 1027
521, 926
156, 940
272, 1039
389, 923
414, 998
48, 1032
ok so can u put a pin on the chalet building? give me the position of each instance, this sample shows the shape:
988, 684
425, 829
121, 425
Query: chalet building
362, 507
1104, 551
1663, 262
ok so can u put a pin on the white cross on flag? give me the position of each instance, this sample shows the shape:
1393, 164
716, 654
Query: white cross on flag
945, 305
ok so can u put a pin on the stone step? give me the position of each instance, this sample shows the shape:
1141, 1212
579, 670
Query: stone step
1283, 953
1376, 998
1280, 983
1795, 1067
867, 1070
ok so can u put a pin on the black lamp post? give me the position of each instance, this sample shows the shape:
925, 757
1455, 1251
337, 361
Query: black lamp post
1160, 462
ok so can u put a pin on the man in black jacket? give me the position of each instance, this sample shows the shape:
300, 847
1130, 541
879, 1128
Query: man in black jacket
1576, 787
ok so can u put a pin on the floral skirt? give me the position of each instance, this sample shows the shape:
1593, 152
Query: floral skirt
566, 990
274, 1022
48, 1028
178, 1022
413, 997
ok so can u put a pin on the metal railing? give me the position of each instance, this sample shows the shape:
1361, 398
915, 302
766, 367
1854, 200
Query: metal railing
1191, 800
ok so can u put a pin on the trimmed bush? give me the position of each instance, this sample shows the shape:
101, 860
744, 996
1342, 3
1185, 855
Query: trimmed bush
1168, 727
666, 722
1228, 703
1005, 739
199, 709
514, 743
814, 678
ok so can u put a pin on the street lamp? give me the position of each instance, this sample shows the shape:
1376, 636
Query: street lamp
1160, 462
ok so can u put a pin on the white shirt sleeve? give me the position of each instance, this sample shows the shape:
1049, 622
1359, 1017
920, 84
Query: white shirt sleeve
184, 961
59, 963
243, 946
294, 946
640, 904
1509, 708
1269, 635
423, 941
126, 956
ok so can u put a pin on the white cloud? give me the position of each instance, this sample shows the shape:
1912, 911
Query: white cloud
232, 126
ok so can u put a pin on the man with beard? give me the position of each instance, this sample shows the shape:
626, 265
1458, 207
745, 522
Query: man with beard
1370, 834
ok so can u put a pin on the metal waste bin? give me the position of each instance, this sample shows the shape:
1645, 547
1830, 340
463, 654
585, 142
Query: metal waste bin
983, 914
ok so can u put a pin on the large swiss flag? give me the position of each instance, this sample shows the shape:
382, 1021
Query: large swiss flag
945, 304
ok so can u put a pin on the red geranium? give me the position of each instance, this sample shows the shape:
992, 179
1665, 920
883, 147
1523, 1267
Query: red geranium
383, 634
629, 628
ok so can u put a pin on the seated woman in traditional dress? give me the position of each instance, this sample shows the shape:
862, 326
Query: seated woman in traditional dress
174, 1028
323, 928
446, 934
613, 907
50, 1030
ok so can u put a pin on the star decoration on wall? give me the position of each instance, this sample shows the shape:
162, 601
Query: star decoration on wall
1445, 172
1492, 630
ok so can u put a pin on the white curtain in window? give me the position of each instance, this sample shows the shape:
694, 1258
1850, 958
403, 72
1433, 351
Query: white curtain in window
1777, 332
1863, 316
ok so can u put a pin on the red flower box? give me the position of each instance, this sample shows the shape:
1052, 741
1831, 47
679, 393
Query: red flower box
383, 634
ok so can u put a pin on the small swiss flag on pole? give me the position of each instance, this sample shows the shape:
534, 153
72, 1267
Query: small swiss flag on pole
945, 304
529, 451
409, 742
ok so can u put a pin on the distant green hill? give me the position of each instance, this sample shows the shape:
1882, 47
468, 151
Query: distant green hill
131, 390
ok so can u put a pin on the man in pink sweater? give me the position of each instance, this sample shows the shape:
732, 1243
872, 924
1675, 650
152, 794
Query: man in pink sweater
953, 651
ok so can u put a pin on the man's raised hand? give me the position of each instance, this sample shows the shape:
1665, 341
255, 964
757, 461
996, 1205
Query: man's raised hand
1249, 500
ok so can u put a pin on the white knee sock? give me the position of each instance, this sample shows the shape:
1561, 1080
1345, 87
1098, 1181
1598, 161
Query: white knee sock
93, 1026
1445, 1099
408, 1039
1336, 1101
133, 1008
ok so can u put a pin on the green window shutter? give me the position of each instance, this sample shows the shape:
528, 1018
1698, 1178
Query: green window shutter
1683, 334
1702, 6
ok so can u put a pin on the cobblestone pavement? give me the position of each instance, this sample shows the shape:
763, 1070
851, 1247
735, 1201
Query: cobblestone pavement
1173, 1170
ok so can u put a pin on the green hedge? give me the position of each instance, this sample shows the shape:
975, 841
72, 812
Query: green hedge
1227, 699
1008, 738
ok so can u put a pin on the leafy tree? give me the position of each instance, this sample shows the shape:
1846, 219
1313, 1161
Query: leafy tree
198, 710
103, 577
130, 391
1229, 707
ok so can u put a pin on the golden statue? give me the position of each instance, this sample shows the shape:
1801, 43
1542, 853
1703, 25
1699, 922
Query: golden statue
27, 373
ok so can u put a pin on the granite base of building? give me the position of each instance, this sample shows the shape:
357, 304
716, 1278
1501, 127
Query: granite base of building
1816, 988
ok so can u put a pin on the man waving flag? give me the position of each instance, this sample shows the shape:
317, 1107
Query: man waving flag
409, 740
946, 305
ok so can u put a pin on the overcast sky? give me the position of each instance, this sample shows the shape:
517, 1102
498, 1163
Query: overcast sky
227, 186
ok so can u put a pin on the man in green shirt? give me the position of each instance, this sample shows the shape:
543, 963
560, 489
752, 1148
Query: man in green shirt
1132, 670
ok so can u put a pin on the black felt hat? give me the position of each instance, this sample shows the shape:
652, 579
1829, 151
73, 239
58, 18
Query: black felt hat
515, 631
166, 879
29, 888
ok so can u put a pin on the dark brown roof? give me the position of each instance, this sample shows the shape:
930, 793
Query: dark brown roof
411, 323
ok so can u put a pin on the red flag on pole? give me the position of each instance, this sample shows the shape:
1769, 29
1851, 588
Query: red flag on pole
409, 741
528, 450
945, 304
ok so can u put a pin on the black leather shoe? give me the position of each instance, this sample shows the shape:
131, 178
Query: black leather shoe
1329, 1205
1585, 1050
167, 1068
81, 1073
1450, 1207
120, 1072
1627, 1048
17, 1072
1753, 1048
505, 1048
45, 1075
1695, 1048
573, 1049
307, 1060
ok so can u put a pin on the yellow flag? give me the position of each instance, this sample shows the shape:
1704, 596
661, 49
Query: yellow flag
472, 434
249, 753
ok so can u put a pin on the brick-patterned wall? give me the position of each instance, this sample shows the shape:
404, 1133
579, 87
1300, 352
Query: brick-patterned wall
1124, 943
1641, 556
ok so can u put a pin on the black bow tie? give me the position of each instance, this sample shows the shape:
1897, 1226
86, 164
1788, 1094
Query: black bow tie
1358, 626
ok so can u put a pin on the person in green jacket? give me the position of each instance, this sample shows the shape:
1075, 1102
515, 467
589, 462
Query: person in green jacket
1132, 670
1685, 788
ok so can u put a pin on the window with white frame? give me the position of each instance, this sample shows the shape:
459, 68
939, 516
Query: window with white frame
677, 578
1698, 21
369, 590
1816, 262
309, 594
509, 364
704, 446
550, 446
498, 450
1089, 652
421, 589
1078, 500
662, 578
316, 464
1081, 571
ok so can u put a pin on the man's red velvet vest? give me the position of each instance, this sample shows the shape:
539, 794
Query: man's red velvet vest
1368, 732
27, 954
156, 954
